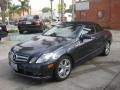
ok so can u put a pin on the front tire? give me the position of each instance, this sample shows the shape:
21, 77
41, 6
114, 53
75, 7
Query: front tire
63, 68
106, 49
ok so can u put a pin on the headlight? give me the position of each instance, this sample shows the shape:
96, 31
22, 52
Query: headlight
46, 57
33, 60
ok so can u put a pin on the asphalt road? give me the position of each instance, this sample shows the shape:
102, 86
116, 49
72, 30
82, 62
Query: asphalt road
100, 73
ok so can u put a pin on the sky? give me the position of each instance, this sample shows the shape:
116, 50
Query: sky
39, 4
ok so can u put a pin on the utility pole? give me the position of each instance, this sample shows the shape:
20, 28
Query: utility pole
59, 10
29, 9
62, 10
51, 1
73, 10
8, 11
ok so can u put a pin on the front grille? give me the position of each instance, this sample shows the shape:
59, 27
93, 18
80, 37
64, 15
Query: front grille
18, 57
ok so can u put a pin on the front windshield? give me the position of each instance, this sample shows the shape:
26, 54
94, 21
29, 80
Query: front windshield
64, 31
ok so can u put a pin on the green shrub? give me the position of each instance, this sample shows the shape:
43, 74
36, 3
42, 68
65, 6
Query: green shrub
13, 31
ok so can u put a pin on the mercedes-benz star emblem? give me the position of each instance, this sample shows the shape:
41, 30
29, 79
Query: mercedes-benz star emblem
13, 56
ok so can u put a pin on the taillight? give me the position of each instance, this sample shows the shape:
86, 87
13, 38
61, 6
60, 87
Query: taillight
19, 22
36, 22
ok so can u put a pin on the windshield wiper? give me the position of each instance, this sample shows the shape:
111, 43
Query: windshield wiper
53, 34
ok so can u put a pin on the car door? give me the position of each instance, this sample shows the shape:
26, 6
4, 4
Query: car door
89, 45
99, 37
93, 45
84, 48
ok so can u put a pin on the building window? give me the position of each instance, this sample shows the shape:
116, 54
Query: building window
100, 14
83, 13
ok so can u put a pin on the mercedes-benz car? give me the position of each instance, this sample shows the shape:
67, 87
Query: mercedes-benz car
57, 51
30, 23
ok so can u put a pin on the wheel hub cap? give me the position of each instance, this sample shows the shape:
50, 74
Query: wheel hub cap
64, 68
107, 50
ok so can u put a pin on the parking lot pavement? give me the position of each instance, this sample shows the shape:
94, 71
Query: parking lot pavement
5, 47
100, 73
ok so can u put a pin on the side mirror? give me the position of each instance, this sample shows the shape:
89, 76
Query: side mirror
85, 36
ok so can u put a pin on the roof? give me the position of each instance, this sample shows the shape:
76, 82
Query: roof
81, 22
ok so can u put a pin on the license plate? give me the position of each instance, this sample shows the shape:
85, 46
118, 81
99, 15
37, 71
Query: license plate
14, 66
28, 22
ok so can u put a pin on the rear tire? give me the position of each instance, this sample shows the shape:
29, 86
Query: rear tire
106, 50
20, 31
63, 68
42, 28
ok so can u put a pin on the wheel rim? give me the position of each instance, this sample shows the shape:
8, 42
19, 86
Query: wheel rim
107, 49
64, 68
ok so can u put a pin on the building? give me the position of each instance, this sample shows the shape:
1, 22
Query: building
104, 12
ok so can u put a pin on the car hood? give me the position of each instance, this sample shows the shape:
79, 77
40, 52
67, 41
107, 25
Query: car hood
41, 44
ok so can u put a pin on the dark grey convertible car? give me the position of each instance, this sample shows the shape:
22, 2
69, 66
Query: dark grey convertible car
58, 50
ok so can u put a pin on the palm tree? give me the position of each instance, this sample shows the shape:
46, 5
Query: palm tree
24, 6
3, 5
13, 9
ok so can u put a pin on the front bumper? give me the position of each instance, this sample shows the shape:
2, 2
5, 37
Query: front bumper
33, 70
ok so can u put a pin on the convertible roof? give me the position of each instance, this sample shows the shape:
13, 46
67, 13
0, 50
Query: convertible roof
79, 23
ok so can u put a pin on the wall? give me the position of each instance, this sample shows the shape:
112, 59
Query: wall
104, 12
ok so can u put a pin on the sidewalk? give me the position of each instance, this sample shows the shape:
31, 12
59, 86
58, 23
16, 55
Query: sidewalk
115, 82
116, 35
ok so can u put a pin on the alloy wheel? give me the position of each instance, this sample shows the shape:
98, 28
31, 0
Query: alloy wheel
107, 48
64, 68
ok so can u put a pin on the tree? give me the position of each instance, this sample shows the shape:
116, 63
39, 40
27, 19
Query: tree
24, 6
3, 5
46, 9
13, 9
70, 9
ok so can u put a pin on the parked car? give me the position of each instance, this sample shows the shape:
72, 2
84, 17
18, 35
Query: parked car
55, 22
3, 31
58, 50
30, 23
